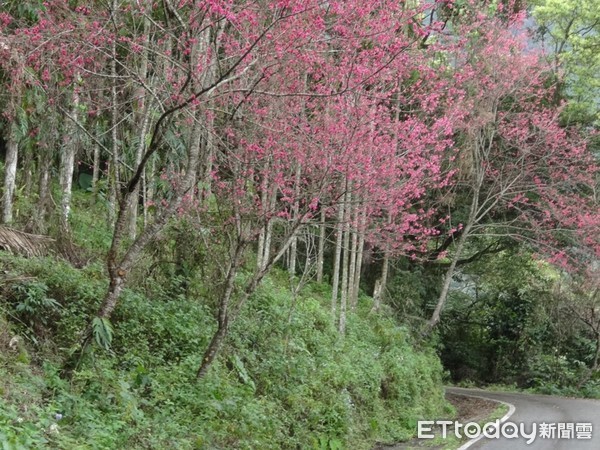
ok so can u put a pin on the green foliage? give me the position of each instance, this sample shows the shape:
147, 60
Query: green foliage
286, 378
103, 332
506, 323
492, 319
569, 29
89, 229
33, 303
63, 298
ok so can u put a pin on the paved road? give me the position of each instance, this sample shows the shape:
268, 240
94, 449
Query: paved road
533, 410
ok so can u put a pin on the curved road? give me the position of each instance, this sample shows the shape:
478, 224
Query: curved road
535, 410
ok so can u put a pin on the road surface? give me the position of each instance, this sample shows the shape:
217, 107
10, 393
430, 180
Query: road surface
569, 420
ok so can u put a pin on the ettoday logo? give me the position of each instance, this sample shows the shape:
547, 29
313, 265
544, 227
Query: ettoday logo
507, 430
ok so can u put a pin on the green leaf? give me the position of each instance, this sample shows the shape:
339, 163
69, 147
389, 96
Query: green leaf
103, 332
242, 372
335, 444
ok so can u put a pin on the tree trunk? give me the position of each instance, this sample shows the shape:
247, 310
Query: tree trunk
209, 120
28, 169
260, 248
321, 248
213, 348
345, 262
133, 212
264, 201
209, 159
96, 171
110, 301
435, 317
295, 212
353, 255
112, 192
10, 177
44, 190
269, 228
209, 155
359, 256
479, 156
228, 314
223, 314
114, 177
118, 269
296, 206
142, 120
380, 283
336, 261
149, 176
67, 162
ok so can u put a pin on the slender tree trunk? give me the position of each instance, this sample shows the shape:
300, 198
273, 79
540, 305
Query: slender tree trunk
381, 283
269, 230
119, 268
209, 119
269, 197
296, 206
359, 257
10, 178
295, 212
133, 213
143, 120
114, 178
112, 191
345, 262
261, 248
10, 162
264, 200
353, 255
96, 171
435, 317
223, 314
145, 198
44, 189
321, 248
480, 154
67, 162
149, 176
337, 259
227, 312
292, 255
287, 260
209, 155
28, 168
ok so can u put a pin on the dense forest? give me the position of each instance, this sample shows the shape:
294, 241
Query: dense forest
286, 224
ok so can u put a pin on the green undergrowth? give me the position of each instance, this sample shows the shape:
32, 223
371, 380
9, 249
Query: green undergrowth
285, 379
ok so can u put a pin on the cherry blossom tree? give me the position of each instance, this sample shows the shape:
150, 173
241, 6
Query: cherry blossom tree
269, 119
515, 161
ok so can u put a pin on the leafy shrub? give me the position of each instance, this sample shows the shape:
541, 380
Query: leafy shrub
33, 304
